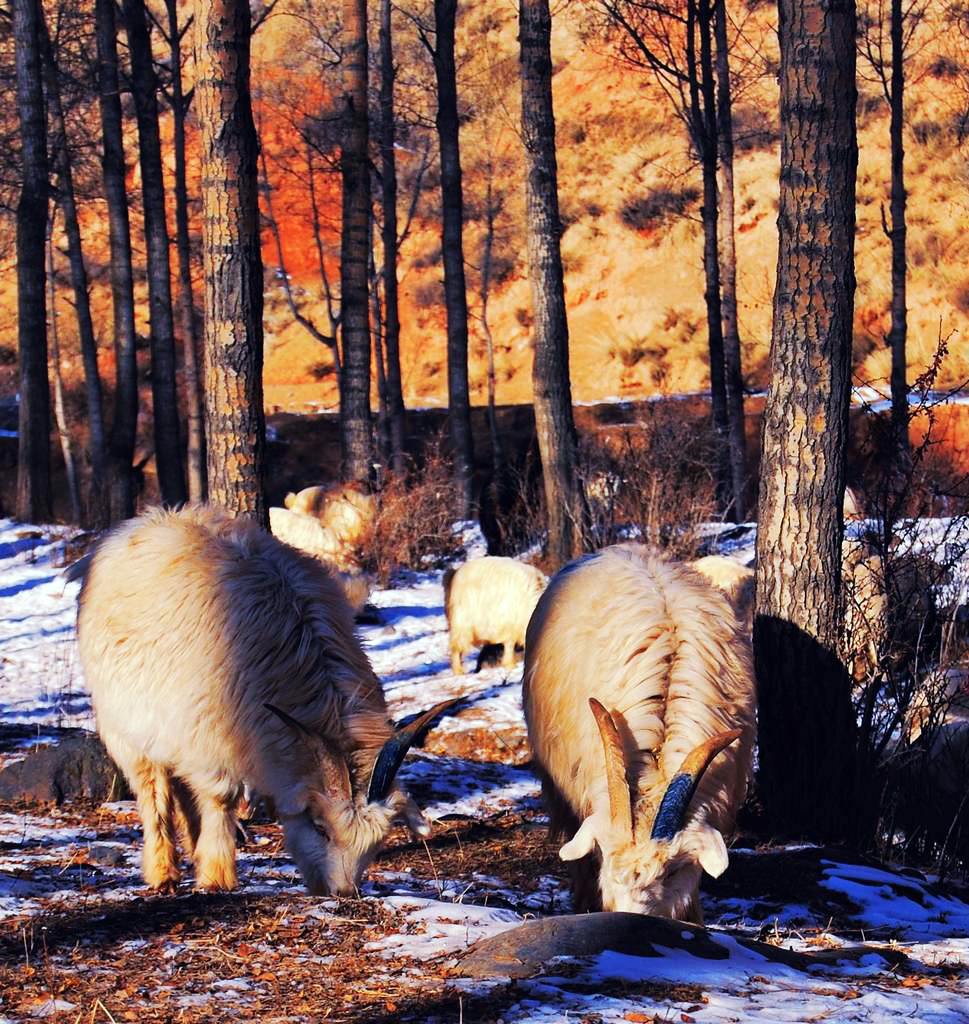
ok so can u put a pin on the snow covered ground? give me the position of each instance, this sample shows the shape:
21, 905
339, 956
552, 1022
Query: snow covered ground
81, 939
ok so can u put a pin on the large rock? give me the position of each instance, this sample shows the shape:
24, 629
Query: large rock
523, 951
73, 766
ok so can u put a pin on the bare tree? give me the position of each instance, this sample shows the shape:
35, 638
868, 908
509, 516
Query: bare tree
181, 102
233, 345
67, 201
168, 453
355, 249
33, 449
124, 427
901, 23
550, 372
807, 726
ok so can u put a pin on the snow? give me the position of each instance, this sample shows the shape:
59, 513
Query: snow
46, 861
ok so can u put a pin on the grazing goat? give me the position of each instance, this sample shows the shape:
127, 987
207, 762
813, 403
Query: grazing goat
489, 601
640, 703
736, 581
218, 657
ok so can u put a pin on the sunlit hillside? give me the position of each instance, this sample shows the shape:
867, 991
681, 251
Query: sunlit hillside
629, 194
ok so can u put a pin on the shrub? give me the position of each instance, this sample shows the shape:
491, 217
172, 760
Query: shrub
644, 213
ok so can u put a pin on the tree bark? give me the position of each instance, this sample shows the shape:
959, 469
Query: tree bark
79, 281
125, 425
233, 338
899, 329
554, 424
452, 246
195, 441
164, 395
733, 372
807, 726
355, 250
33, 449
499, 469
60, 412
388, 169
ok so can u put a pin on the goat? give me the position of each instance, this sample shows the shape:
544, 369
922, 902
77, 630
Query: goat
489, 600
307, 534
736, 581
651, 779
344, 509
218, 657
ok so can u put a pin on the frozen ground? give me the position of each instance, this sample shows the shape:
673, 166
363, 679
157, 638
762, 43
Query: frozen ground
82, 940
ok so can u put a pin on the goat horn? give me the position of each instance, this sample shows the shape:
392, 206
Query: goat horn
620, 798
392, 753
672, 809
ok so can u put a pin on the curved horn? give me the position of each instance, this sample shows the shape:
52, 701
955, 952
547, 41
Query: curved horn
392, 753
620, 798
336, 773
679, 793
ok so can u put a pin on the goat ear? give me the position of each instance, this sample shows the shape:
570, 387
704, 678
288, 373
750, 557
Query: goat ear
582, 842
711, 851
333, 765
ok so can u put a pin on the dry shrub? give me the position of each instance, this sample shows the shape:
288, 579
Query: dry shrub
413, 527
658, 207
652, 480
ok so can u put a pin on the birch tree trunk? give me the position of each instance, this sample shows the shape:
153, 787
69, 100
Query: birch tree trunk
233, 339
807, 728
554, 424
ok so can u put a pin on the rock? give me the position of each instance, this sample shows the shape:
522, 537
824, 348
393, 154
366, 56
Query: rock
75, 766
521, 952
106, 855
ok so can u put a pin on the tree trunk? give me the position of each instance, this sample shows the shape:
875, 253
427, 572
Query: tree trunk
499, 469
79, 281
550, 372
60, 412
898, 333
807, 727
455, 293
355, 250
33, 449
124, 428
235, 426
703, 119
195, 450
388, 168
168, 454
733, 373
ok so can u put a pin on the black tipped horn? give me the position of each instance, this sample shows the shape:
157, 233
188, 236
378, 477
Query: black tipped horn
392, 753
673, 807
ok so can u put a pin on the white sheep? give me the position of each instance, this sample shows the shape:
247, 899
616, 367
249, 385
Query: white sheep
489, 600
737, 582
218, 657
640, 703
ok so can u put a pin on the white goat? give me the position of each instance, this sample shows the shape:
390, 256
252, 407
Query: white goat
344, 509
309, 535
489, 601
216, 657
637, 677
737, 582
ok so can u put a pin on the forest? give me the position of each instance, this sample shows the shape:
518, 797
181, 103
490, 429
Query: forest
484, 510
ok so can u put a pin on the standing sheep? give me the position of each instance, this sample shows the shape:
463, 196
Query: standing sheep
489, 601
216, 657
640, 702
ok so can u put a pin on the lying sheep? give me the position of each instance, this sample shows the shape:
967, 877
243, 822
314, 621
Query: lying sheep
737, 582
489, 601
218, 657
640, 703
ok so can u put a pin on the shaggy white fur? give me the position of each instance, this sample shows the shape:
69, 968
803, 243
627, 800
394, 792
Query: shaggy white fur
736, 581
189, 624
664, 653
489, 601
307, 534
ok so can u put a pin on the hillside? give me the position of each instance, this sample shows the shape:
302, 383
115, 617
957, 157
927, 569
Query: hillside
629, 198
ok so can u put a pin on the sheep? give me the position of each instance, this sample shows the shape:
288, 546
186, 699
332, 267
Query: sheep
639, 699
489, 600
736, 581
217, 658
